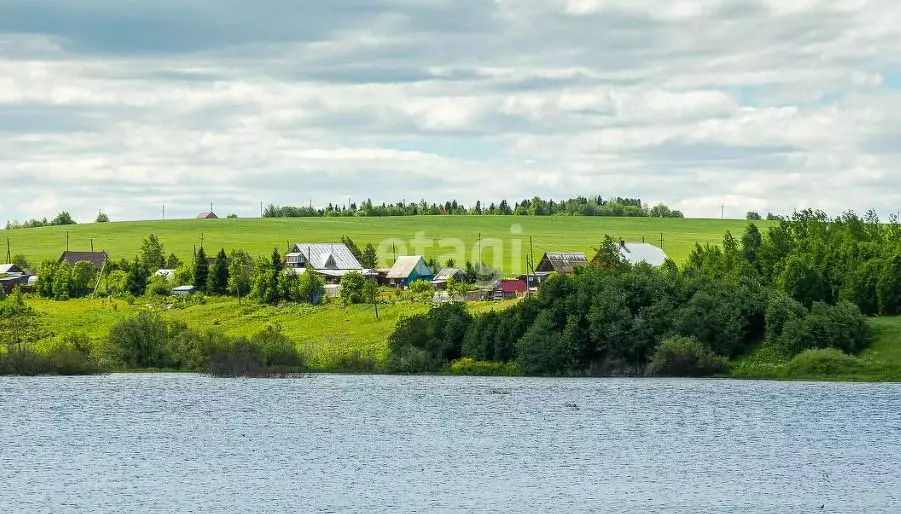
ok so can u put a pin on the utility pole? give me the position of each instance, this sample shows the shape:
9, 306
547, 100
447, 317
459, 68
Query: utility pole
394, 248
164, 212
67, 240
8, 254
480, 251
661, 240
530, 269
92, 246
722, 212
261, 210
201, 239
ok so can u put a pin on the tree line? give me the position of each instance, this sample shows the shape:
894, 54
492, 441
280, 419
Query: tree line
806, 283
578, 206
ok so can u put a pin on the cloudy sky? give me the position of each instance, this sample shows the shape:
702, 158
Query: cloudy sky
126, 105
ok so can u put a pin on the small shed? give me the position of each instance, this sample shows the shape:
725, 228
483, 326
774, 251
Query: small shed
409, 268
184, 290
509, 288
95, 258
207, 215
562, 262
533, 280
8, 283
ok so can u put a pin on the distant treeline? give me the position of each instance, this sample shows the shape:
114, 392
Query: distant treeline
804, 284
578, 206
62, 218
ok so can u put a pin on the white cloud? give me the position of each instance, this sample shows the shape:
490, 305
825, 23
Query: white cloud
763, 105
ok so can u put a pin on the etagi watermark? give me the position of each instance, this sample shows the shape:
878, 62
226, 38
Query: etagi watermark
505, 254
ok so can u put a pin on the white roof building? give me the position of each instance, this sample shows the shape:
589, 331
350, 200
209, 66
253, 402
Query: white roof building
635, 253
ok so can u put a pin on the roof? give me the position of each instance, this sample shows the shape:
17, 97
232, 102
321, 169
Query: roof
512, 285
207, 215
332, 256
405, 265
9, 268
634, 253
168, 273
562, 262
181, 289
446, 273
95, 258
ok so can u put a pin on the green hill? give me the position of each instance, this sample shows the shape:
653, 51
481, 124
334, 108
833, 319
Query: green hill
440, 236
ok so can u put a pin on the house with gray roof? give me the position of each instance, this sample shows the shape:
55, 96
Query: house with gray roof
636, 253
561, 262
95, 258
331, 260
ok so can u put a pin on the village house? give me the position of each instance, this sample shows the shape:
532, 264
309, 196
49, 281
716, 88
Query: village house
441, 279
637, 253
330, 260
409, 269
509, 288
207, 215
98, 259
561, 262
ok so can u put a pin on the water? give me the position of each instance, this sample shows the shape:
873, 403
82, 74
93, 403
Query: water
177, 443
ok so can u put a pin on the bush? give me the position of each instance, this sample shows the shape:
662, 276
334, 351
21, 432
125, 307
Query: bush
139, 342
236, 358
468, 366
685, 357
819, 362
160, 286
781, 309
841, 326
353, 288
439, 333
277, 349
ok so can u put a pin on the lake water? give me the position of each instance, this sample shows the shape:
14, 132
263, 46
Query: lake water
331, 443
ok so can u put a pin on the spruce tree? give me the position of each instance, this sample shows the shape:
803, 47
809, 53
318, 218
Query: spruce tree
201, 271
219, 276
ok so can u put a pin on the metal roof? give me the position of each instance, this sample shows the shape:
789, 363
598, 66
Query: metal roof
562, 262
331, 256
10, 268
95, 258
634, 253
405, 265
446, 273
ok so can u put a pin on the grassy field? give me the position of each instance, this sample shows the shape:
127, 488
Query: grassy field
324, 334
505, 239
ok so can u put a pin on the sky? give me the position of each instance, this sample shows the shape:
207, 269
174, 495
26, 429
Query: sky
129, 105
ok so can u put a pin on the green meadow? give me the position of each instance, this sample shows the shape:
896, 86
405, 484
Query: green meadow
326, 335
505, 239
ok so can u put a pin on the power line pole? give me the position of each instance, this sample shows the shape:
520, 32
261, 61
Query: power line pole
8, 254
164, 212
722, 212
661, 240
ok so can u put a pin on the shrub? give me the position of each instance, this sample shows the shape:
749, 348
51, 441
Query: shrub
353, 288
138, 342
277, 349
685, 357
841, 326
236, 358
819, 362
159, 285
469, 366
781, 308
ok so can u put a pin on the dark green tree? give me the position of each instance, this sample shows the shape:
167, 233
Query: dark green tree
219, 275
201, 271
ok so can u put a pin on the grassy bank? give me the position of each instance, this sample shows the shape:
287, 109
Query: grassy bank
330, 336
260, 236
326, 335
881, 362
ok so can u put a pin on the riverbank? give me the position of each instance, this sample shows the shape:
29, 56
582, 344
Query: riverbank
338, 338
